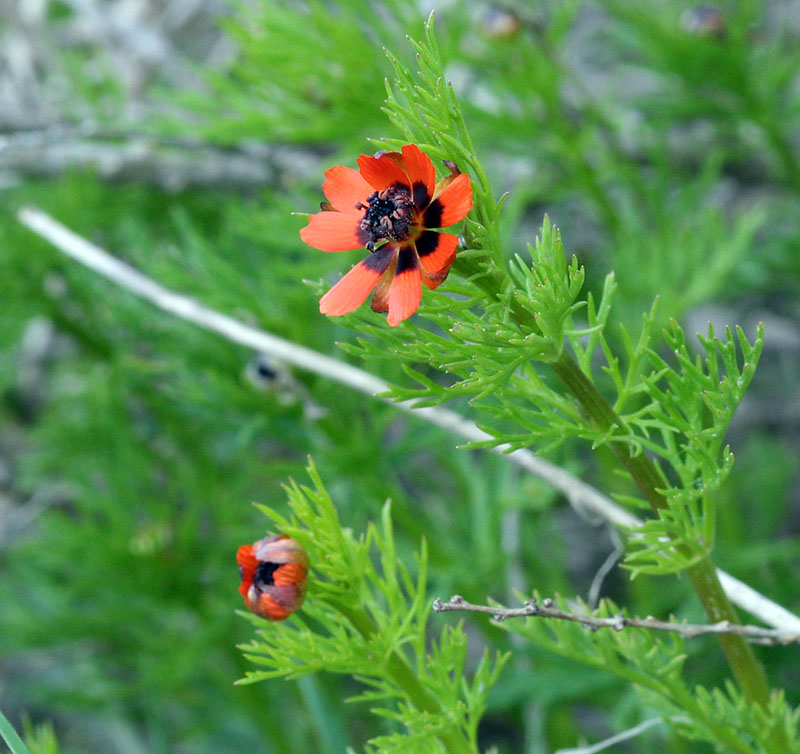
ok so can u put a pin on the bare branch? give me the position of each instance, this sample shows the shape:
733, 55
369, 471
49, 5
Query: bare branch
626, 735
579, 494
532, 609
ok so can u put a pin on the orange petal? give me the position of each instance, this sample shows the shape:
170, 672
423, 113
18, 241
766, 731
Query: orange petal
268, 608
352, 290
421, 173
248, 565
405, 293
289, 573
455, 200
380, 299
382, 172
334, 231
452, 201
344, 187
246, 558
437, 252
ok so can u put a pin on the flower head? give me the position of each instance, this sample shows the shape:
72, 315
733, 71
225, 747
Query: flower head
273, 572
391, 205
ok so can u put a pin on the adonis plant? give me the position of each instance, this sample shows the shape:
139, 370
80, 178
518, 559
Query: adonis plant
530, 363
516, 338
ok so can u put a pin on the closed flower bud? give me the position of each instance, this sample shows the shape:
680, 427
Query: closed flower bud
273, 572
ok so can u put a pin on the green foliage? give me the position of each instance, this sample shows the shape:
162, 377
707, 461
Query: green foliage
696, 252
691, 414
679, 414
41, 738
706, 76
276, 89
658, 152
369, 621
508, 321
427, 112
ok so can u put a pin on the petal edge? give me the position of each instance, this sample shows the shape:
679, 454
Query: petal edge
455, 200
421, 173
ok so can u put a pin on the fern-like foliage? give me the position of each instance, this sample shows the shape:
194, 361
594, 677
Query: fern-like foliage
689, 408
320, 97
366, 616
498, 327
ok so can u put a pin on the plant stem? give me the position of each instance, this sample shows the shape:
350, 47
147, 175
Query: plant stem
748, 671
643, 471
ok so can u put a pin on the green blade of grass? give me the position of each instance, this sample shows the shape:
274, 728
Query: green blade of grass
13, 741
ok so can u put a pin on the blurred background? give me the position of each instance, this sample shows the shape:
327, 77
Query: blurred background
180, 134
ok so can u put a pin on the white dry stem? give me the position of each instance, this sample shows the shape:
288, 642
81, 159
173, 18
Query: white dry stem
626, 735
579, 494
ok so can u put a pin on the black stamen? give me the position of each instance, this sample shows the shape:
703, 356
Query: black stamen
389, 215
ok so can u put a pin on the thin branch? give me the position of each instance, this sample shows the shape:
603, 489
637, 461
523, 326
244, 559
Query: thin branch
579, 494
626, 735
532, 609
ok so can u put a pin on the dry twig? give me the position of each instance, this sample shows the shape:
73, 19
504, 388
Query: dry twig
533, 609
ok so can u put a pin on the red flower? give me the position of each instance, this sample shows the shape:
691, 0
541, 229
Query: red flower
390, 205
273, 572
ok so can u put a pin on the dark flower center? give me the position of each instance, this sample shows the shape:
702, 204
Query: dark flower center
389, 215
264, 574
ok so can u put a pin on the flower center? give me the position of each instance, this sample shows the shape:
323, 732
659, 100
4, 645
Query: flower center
264, 574
389, 214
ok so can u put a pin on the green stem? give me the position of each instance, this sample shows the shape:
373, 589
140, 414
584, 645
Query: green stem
643, 471
9, 735
747, 670
406, 679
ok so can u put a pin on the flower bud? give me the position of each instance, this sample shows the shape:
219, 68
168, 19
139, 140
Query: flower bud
273, 572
